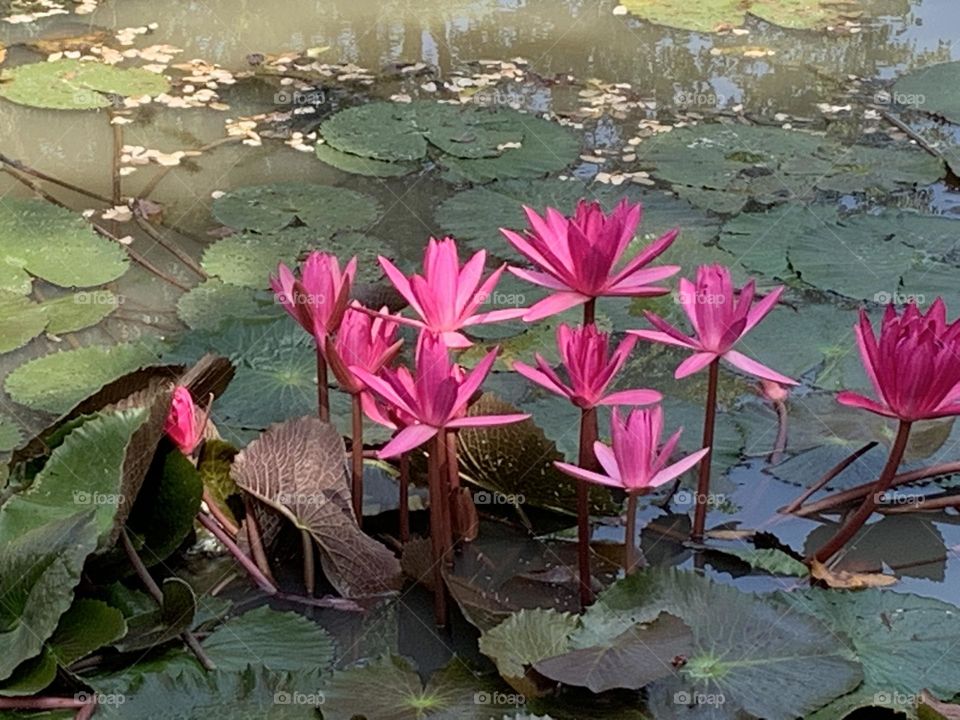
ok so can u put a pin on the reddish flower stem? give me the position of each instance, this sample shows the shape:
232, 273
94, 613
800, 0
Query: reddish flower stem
241, 557
828, 476
780, 444
703, 481
309, 564
589, 434
404, 497
41, 703
438, 529
356, 454
87, 711
855, 493
453, 483
863, 513
215, 510
256, 540
630, 537
323, 391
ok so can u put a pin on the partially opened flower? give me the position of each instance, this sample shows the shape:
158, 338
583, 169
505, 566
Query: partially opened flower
914, 364
363, 340
318, 298
590, 368
436, 396
636, 462
576, 257
185, 422
720, 315
447, 296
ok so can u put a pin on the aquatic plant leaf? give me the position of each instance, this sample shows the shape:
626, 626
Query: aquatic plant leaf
212, 302
54, 244
275, 641
298, 468
57, 382
767, 658
31, 676
39, 568
10, 434
85, 628
930, 90
21, 320
276, 390
74, 85
71, 313
269, 208
155, 626
358, 165
527, 637
632, 660
381, 131
477, 214
770, 560
99, 446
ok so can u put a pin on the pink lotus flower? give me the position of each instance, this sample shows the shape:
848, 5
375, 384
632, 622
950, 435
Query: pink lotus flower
447, 295
914, 365
576, 256
319, 297
636, 462
363, 340
720, 316
185, 422
436, 397
590, 368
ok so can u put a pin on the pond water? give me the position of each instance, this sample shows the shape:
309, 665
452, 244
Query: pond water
618, 82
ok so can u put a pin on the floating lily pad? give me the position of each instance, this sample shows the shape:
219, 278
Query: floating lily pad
269, 208
57, 382
85, 628
10, 434
930, 90
527, 637
73, 85
21, 320
477, 214
381, 131
361, 165
79, 311
212, 302
55, 244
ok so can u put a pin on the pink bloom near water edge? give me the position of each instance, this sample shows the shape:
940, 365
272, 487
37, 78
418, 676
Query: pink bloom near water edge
319, 296
577, 257
435, 396
364, 340
636, 461
720, 315
185, 422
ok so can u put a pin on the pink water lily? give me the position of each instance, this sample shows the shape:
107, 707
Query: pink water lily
363, 340
185, 422
318, 298
576, 256
435, 397
447, 296
636, 462
720, 315
914, 364
590, 368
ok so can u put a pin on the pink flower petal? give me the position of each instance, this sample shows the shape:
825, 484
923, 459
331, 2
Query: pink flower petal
487, 420
556, 303
662, 337
540, 378
587, 475
538, 278
852, 399
739, 360
407, 439
632, 397
678, 468
759, 310
693, 364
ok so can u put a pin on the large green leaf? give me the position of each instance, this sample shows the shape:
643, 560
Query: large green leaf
276, 641
150, 626
213, 302
39, 568
21, 320
381, 131
84, 473
931, 89
10, 434
763, 656
55, 244
57, 382
78, 311
73, 85
713, 15
85, 628
527, 637
269, 208
361, 165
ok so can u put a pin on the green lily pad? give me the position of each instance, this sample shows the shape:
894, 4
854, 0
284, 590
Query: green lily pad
276, 641
212, 302
381, 131
55, 244
269, 208
39, 568
152, 626
74, 85
272, 392
761, 655
931, 90
57, 382
21, 320
527, 637
31, 676
99, 446
358, 165
771, 560
85, 628
10, 434
71, 313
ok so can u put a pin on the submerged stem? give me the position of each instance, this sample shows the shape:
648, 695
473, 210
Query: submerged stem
857, 520
703, 481
828, 476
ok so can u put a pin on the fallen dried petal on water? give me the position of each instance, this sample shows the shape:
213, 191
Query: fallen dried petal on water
849, 580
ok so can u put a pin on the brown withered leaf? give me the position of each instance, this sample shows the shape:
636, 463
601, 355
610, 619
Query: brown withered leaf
846, 580
298, 468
